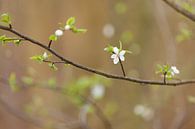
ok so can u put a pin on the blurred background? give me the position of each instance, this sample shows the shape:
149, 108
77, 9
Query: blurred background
154, 32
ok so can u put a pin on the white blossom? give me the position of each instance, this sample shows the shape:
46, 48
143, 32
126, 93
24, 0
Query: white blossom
143, 111
174, 70
108, 30
67, 27
118, 55
59, 33
45, 55
139, 109
98, 91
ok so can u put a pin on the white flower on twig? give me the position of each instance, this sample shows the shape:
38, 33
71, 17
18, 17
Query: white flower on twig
174, 70
59, 33
45, 55
143, 111
118, 55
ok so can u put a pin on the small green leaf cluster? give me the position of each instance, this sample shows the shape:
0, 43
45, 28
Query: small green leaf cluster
5, 18
40, 58
70, 25
109, 49
167, 71
5, 40
44, 58
53, 66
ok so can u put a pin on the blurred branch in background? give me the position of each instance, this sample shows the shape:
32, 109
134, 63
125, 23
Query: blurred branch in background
180, 9
83, 123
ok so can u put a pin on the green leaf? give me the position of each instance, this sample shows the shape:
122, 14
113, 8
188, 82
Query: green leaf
38, 58
121, 46
52, 66
5, 18
53, 37
71, 21
17, 42
2, 39
109, 49
12, 82
75, 30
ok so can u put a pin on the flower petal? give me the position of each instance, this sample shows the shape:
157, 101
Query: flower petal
115, 50
175, 70
122, 58
113, 56
116, 60
122, 53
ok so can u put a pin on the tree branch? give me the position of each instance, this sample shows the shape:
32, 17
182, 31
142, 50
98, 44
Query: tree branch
91, 70
180, 10
98, 110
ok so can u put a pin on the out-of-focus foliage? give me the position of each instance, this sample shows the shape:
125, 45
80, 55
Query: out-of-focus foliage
184, 35
120, 7
78, 88
13, 82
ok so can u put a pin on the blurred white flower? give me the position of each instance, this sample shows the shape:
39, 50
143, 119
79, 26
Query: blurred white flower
98, 91
45, 55
67, 27
59, 33
118, 55
139, 109
144, 112
108, 30
148, 114
174, 70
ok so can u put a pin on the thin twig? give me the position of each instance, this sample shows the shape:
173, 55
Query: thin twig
91, 70
122, 67
10, 26
54, 62
49, 46
165, 77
